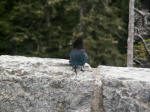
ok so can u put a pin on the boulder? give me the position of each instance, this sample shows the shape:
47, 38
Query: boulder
125, 89
31, 84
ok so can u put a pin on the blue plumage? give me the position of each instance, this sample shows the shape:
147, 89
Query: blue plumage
78, 57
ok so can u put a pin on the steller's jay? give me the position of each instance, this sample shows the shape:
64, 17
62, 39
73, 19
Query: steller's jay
78, 56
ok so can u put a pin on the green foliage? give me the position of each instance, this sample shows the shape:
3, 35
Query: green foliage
104, 27
139, 50
104, 51
46, 28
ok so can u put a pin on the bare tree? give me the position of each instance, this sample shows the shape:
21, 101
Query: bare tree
130, 34
142, 31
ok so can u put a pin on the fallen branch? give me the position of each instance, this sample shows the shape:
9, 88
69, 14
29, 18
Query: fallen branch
139, 12
142, 13
138, 62
144, 43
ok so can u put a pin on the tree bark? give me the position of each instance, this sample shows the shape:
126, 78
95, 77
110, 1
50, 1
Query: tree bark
83, 15
47, 13
130, 41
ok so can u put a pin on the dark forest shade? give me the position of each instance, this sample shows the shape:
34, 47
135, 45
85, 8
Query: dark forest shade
45, 29
146, 4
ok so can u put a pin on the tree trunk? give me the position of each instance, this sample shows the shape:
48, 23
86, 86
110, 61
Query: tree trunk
47, 13
82, 15
130, 34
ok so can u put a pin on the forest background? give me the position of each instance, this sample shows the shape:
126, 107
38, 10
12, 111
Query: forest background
46, 28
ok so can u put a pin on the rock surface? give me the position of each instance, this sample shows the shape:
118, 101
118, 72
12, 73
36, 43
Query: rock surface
125, 89
30, 84
45, 85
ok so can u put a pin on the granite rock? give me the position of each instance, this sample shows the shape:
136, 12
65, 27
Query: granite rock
125, 89
30, 84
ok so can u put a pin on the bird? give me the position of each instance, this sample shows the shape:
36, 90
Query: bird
78, 55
